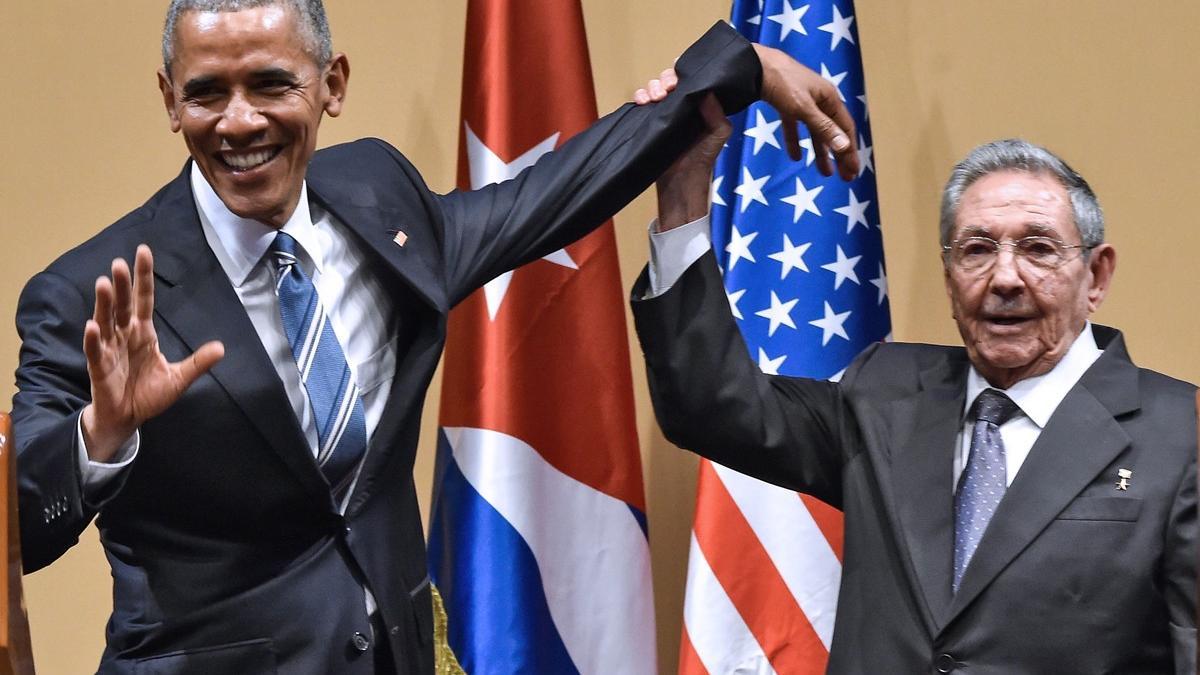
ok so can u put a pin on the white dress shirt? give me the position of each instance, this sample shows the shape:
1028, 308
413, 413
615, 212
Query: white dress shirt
360, 311
673, 251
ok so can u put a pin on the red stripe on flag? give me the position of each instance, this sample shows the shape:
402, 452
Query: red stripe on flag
752, 581
829, 520
689, 660
552, 369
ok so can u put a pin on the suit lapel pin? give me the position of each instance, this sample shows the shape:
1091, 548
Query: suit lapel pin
1124, 475
400, 238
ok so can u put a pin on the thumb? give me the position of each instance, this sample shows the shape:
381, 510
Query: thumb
200, 362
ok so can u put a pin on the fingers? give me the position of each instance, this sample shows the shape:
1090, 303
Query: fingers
143, 286
791, 139
669, 79
199, 363
122, 284
658, 88
91, 345
714, 117
102, 315
847, 151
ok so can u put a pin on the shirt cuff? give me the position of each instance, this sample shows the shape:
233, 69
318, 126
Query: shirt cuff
673, 251
96, 475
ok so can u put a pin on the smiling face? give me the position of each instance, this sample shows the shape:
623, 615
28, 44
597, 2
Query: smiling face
248, 99
1017, 321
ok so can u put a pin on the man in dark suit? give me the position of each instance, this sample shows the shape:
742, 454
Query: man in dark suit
1025, 503
241, 411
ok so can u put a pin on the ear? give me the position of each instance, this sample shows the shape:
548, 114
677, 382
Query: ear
1102, 265
337, 75
168, 94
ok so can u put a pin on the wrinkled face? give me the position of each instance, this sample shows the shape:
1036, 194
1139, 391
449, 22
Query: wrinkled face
248, 99
1017, 320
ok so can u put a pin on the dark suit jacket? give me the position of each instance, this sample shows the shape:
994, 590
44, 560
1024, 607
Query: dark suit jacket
227, 553
1072, 575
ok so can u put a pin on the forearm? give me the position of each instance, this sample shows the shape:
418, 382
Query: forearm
572, 190
710, 397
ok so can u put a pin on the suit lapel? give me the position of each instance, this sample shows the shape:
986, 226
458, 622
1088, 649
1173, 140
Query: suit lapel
1081, 438
195, 300
414, 261
413, 257
922, 475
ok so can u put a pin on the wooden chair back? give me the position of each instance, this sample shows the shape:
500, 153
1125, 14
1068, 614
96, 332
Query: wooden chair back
16, 655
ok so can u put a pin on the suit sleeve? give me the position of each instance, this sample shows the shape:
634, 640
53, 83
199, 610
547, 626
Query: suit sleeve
52, 390
1179, 561
570, 191
710, 397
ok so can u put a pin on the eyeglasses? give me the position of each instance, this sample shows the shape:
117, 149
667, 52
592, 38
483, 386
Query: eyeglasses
977, 254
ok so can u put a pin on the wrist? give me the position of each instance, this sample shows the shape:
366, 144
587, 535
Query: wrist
101, 439
682, 198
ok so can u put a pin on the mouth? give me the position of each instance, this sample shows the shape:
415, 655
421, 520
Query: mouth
1008, 321
243, 161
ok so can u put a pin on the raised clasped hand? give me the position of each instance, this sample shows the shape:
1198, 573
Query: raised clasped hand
131, 380
798, 95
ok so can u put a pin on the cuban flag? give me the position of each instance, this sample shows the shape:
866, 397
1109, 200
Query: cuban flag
538, 545
802, 257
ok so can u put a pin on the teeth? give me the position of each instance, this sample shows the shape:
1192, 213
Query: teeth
247, 160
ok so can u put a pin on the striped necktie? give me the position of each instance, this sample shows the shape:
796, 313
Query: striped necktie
332, 390
984, 479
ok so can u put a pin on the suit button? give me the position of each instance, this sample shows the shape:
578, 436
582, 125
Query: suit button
360, 642
945, 663
395, 630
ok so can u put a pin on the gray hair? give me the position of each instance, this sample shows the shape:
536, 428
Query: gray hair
310, 19
1014, 154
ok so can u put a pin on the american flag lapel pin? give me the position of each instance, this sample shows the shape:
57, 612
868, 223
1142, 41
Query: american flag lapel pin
399, 238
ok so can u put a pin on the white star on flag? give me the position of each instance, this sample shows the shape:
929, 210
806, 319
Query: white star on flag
835, 80
792, 257
789, 20
768, 365
810, 156
880, 282
866, 111
842, 268
739, 247
486, 168
855, 212
838, 29
763, 132
714, 195
733, 299
757, 18
865, 161
751, 189
779, 313
804, 201
831, 324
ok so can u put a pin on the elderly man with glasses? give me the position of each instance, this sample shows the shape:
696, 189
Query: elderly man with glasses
1025, 503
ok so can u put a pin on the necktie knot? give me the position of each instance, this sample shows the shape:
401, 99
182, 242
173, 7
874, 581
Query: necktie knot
993, 407
283, 250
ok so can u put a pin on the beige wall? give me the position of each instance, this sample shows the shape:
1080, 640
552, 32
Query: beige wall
1108, 85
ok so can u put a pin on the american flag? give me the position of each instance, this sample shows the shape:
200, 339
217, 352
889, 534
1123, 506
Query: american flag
802, 257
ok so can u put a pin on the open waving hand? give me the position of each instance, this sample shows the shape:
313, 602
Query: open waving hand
131, 379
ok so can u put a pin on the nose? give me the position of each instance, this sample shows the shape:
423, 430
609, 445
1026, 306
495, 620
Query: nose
1006, 278
241, 121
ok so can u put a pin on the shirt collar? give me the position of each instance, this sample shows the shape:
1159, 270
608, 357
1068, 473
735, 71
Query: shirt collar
1038, 397
239, 243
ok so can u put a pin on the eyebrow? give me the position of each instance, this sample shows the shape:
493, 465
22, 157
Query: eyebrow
274, 74
1032, 229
